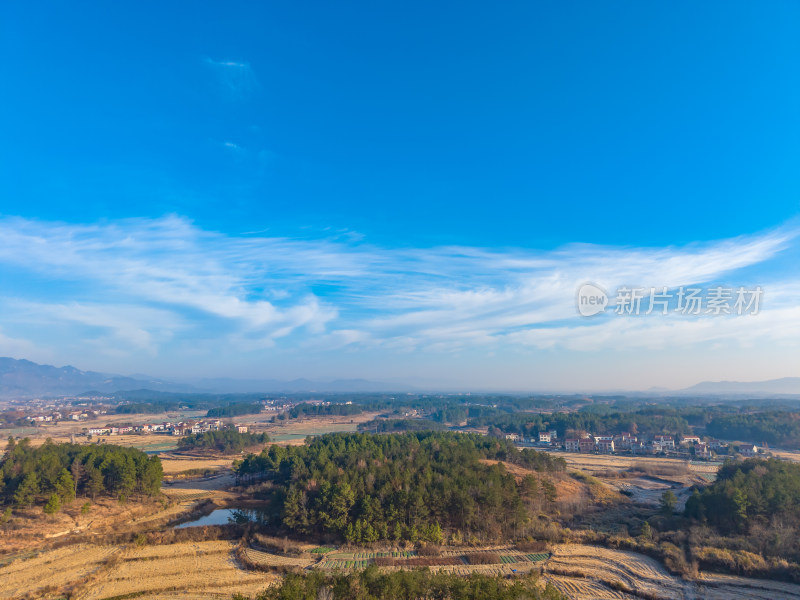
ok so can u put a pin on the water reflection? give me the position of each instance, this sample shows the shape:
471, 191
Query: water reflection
223, 516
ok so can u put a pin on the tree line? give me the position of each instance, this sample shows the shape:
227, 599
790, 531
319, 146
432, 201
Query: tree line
774, 427
647, 422
396, 425
410, 486
235, 410
225, 440
307, 409
750, 492
372, 584
60, 472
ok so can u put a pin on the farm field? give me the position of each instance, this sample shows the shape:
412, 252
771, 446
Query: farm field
290, 432
184, 570
209, 569
200, 489
295, 431
792, 455
667, 468
592, 572
177, 463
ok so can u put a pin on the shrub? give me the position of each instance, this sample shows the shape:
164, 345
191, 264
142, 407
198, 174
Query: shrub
53, 505
483, 558
429, 549
532, 546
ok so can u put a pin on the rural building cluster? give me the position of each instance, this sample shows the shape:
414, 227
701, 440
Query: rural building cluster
689, 445
167, 428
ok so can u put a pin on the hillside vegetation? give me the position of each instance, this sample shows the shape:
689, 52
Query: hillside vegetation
56, 473
752, 492
408, 486
371, 584
226, 440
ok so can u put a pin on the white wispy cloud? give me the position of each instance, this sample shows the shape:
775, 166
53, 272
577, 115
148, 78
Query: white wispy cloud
236, 78
143, 283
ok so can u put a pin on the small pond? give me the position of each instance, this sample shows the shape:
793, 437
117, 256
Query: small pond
223, 516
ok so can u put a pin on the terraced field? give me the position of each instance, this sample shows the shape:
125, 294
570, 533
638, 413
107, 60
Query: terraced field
50, 571
186, 570
719, 587
269, 559
515, 559
210, 570
592, 572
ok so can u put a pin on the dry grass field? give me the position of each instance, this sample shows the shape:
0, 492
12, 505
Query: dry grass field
643, 478
294, 431
50, 572
592, 572
209, 569
174, 463
192, 490
184, 570
791, 455
268, 559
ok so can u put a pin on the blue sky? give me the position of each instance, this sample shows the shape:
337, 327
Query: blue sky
398, 191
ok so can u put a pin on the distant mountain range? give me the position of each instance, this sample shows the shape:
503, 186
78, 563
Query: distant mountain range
296, 385
783, 386
27, 379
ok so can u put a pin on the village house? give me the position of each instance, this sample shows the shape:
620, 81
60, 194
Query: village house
624, 441
748, 450
664, 441
690, 439
572, 445
702, 450
606, 446
586, 445
544, 437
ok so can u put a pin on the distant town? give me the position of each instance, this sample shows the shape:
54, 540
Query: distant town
90, 409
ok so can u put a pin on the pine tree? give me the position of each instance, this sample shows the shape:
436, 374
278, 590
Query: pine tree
646, 532
27, 490
53, 505
94, 480
65, 487
668, 502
